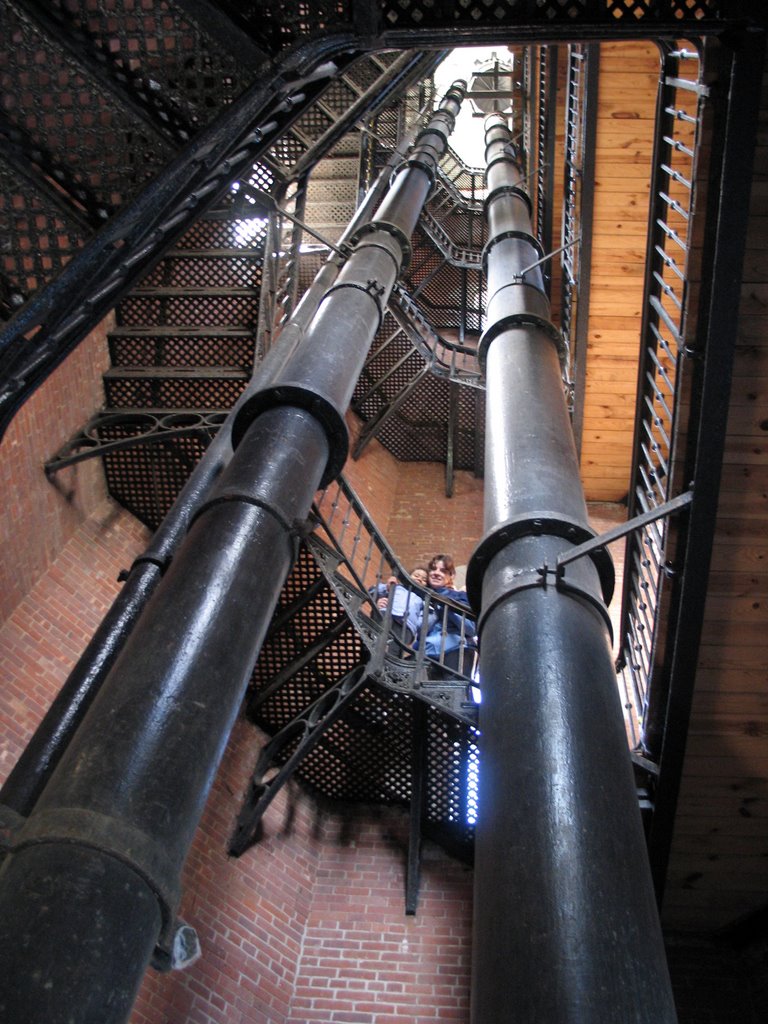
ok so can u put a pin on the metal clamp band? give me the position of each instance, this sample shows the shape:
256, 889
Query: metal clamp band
388, 228
514, 190
521, 320
502, 157
543, 577
372, 289
524, 236
535, 524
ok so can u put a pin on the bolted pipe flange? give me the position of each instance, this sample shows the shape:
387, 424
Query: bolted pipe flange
534, 524
358, 239
523, 318
302, 396
524, 236
512, 190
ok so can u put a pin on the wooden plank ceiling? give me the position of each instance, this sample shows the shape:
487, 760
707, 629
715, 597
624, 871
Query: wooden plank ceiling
626, 109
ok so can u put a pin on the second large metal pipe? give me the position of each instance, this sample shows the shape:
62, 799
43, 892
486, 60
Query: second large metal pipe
565, 924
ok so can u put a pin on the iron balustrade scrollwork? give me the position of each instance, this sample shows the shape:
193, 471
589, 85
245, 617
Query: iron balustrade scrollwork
111, 431
367, 563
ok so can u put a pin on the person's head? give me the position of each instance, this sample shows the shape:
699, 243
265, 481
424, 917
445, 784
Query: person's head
441, 571
420, 575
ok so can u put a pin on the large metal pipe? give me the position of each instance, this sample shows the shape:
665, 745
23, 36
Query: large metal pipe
41, 755
90, 885
565, 923
37, 761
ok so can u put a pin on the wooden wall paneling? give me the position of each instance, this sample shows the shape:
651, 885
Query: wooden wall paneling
719, 862
626, 112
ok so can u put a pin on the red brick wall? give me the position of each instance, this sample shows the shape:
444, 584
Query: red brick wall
424, 522
39, 517
407, 501
47, 631
363, 960
374, 476
310, 925
249, 913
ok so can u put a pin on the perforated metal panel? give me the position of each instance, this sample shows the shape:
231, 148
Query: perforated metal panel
277, 27
313, 124
98, 141
418, 430
207, 309
38, 239
190, 389
147, 480
179, 61
229, 269
367, 754
236, 232
449, 296
228, 349
339, 96
288, 150
405, 14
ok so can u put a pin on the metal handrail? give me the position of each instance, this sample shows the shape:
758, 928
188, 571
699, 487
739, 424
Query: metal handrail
648, 574
445, 358
365, 562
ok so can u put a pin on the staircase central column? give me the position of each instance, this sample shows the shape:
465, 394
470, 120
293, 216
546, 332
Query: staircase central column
565, 925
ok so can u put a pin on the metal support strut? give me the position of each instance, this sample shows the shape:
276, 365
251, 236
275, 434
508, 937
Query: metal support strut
565, 926
90, 885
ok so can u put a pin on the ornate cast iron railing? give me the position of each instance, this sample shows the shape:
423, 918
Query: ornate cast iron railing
347, 535
349, 705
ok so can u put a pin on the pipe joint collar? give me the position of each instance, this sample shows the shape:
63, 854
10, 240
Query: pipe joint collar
300, 395
511, 190
400, 258
440, 125
114, 838
524, 318
372, 288
536, 524
524, 236
424, 159
506, 158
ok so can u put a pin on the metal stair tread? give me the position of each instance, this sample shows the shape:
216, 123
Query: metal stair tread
180, 372
193, 291
177, 330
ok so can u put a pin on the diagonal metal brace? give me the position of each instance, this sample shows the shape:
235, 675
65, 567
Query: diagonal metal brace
309, 727
636, 523
271, 203
568, 245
